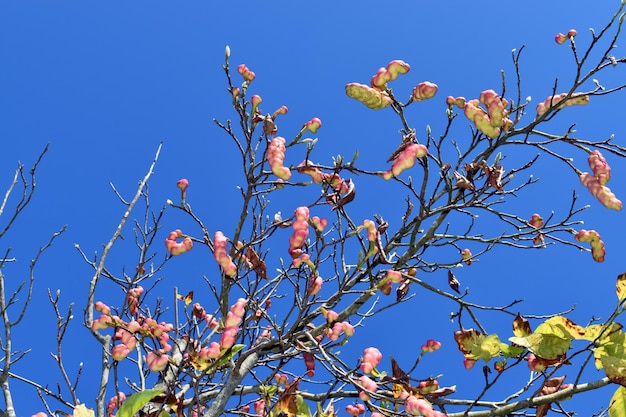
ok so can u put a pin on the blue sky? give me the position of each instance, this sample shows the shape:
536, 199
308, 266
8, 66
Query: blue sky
105, 83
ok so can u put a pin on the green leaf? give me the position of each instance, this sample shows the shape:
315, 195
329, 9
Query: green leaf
510, 351
303, 408
355, 157
136, 401
267, 390
227, 357
618, 403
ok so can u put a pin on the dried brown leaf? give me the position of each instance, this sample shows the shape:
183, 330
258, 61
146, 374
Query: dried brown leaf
453, 282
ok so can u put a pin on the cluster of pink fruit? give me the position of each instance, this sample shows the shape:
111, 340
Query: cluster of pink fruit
126, 334
596, 183
414, 404
490, 121
377, 97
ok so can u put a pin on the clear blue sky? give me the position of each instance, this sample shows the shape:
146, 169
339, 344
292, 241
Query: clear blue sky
104, 83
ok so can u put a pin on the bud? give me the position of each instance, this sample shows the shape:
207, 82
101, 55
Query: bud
256, 100
536, 221
183, 184
227, 51
245, 72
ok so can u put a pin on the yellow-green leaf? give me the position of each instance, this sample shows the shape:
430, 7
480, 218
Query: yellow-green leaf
610, 355
620, 287
561, 327
136, 401
598, 332
617, 406
546, 346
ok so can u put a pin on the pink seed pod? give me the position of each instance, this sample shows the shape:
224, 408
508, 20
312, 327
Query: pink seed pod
227, 338
397, 67
330, 315
558, 102
211, 352
300, 228
175, 248
319, 224
428, 386
313, 124
259, 407
468, 363
127, 338
120, 352
157, 361
386, 287
372, 231
601, 192
405, 160
561, 38
245, 72
536, 364
309, 362
102, 322
372, 98
114, 403
371, 359
347, 328
455, 101
102, 308
431, 346
235, 93
600, 167
418, 406
316, 285
394, 276
221, 254
255, 100
368, 385
466, 256
598, 251
536, 221
380, 79
281, 379
495, 107
316, 175
424, 91
239, 308
281, 110
480, 118
276, 156
183, 184
355, 410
